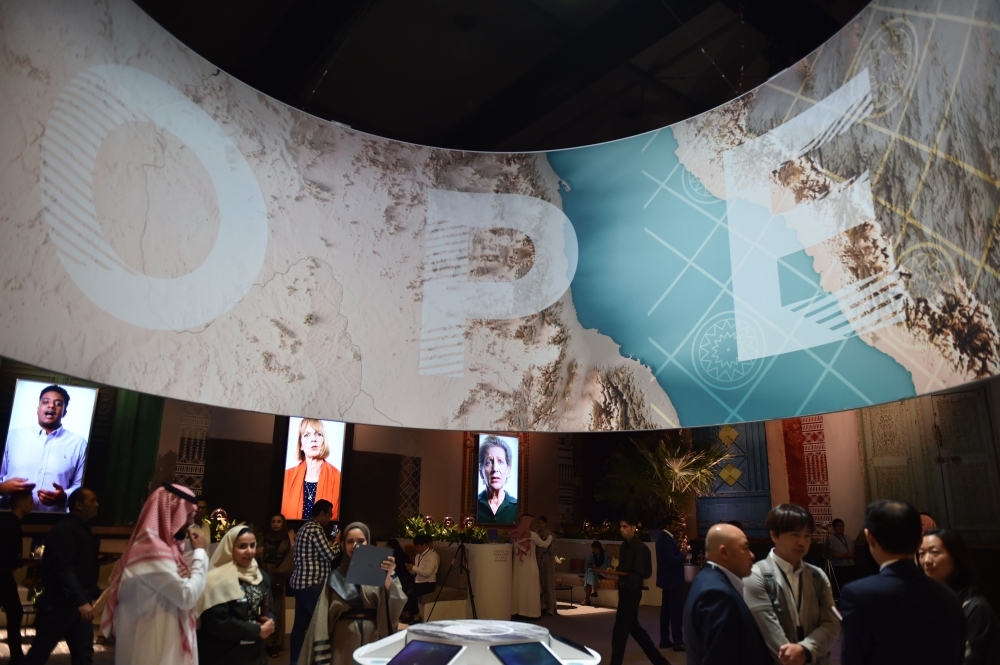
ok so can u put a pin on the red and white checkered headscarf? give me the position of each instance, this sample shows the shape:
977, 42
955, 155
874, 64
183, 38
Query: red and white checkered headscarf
164, 514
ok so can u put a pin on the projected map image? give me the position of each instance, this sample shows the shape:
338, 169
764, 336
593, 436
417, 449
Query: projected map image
824, 242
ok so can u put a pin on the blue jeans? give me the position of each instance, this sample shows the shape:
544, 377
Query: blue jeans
305, 604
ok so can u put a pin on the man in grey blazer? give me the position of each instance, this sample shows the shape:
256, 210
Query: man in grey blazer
790, 599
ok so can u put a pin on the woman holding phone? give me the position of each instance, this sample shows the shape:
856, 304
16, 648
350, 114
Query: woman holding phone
236, 610
349, 616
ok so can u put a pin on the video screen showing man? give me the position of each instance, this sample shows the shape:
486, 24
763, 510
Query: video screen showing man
497, 477
45, 457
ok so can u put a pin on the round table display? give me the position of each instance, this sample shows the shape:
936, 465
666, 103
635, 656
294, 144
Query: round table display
477, 636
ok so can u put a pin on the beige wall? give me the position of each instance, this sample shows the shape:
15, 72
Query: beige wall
777, 469
846, 468
844, 465
241, 425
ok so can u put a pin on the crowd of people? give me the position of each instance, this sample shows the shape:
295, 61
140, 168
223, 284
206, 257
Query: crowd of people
921, 606
169, 603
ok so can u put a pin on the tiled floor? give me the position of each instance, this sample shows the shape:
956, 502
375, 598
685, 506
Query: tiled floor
587, 625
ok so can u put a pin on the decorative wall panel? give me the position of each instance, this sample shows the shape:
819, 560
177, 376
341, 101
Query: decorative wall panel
742, 489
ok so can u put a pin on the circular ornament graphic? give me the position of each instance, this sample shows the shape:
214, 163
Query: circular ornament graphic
715, 353
927, 266
88, 110
890, 56
695, 189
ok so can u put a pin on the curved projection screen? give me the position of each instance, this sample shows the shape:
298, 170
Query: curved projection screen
824, 242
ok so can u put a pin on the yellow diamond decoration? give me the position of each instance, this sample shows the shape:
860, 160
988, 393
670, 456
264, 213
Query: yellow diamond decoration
730, 474
727, 435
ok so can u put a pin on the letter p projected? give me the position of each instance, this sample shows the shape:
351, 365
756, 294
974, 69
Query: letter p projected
451, 297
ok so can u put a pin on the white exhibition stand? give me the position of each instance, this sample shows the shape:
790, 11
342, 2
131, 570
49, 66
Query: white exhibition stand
475, 639
491, 575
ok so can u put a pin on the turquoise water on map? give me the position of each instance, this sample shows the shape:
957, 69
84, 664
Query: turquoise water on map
653, 264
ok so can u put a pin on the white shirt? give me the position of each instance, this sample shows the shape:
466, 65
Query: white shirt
151, 596
737, 582
794, 579
889, 563
44, 459
426, 565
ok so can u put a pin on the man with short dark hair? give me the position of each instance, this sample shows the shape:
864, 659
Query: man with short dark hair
47, 459
719, 628
424, 569
11, 548
202, 513
838, 548
313, 558
899, 615
69, 576
634, 565
792, 600
670, 578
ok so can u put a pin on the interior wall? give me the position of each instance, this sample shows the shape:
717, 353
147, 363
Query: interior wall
241, 426
845, 465
777, 469
440, 454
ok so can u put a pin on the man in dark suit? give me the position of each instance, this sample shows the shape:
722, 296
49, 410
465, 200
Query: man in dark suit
670, 579
899, 615
719, 628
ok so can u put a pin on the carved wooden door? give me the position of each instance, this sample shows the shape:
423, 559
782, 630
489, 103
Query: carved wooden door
963, 451
895, 467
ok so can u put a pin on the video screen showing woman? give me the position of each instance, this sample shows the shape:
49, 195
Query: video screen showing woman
497, 479
312, 466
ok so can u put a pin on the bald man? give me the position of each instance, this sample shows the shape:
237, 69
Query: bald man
719, 628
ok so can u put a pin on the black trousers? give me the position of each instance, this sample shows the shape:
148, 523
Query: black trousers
11, 603
305, 606
672, 617
413, 593
61, 621
627, 623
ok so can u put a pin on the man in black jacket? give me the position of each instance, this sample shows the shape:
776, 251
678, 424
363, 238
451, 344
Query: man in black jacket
719, 628
11, 544
70, 570
670, 579
899, 615
634, 565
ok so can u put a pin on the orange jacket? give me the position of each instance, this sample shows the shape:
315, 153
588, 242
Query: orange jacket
327, 488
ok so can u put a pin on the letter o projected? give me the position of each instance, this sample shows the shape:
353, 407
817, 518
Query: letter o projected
89, 108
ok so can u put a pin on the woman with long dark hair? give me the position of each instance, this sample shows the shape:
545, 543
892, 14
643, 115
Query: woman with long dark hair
944, 557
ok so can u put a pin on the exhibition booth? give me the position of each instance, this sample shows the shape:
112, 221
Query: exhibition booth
204, 286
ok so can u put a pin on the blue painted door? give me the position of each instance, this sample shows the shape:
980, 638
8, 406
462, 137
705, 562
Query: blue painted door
742, 488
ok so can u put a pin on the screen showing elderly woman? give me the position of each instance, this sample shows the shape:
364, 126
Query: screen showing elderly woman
497, 479
312, 466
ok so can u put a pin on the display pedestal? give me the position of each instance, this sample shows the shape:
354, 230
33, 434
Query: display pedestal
491, 575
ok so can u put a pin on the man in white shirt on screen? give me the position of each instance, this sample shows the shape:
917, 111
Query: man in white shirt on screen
424, 569
47, 460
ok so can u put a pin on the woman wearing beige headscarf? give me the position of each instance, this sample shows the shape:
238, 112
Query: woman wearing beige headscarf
235, 612
349, 616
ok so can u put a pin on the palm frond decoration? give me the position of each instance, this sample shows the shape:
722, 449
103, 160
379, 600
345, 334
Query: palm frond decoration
662, 472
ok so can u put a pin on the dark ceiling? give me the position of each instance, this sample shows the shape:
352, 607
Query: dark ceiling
511, 75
